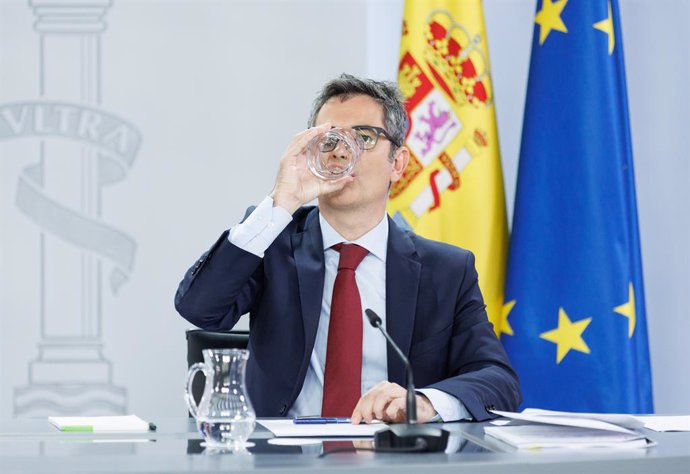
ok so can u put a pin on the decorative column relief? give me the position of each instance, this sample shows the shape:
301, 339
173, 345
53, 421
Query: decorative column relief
80, 149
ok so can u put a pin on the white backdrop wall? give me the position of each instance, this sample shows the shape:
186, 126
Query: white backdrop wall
173, 119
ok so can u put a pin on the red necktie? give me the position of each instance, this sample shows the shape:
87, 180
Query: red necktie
342, 381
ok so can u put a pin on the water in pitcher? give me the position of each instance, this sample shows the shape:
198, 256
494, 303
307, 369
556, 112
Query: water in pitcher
224, 433
225, 416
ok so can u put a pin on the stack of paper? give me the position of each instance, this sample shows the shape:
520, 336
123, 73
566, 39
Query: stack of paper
286, 428
665, 422
551, 429
130, 423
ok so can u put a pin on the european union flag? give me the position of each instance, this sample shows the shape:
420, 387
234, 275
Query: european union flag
574, 295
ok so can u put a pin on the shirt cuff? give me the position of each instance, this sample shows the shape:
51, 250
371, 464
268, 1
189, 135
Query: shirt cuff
260, 228
447, 406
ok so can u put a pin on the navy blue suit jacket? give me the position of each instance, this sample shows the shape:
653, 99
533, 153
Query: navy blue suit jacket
434, 312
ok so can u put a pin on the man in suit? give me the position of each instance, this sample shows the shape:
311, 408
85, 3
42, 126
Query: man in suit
306, 274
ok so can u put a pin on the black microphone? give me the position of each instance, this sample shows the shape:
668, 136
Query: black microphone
410, 402
409, 436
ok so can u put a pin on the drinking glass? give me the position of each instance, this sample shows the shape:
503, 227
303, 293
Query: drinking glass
334, 153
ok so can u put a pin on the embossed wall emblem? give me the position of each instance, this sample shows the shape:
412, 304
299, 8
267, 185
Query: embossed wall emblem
80, 148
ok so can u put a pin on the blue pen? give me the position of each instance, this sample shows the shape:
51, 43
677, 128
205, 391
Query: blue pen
319, 420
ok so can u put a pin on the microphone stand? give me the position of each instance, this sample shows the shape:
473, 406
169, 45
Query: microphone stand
409, 436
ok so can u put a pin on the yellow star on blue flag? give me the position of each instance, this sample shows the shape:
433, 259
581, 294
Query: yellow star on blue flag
567, 336
549, 18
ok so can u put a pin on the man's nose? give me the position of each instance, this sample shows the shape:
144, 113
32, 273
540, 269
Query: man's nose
341, 152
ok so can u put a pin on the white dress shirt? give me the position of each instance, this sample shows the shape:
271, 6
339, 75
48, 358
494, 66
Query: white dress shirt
257, 233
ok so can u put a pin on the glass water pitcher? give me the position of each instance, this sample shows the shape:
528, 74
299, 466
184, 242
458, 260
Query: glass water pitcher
225, 416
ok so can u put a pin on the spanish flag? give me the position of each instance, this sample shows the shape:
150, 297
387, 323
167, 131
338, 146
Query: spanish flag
452, 190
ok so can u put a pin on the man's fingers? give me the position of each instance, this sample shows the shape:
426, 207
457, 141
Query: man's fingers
302, 139
378, 408
373, 404
395, 411
385, 397
387, 402
356, 417
364, 404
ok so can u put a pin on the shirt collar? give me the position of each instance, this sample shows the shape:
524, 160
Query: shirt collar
375, 241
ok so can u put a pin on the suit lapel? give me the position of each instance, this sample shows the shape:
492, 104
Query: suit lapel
402, 285
309, 261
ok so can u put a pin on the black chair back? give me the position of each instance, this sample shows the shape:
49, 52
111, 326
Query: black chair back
198, 340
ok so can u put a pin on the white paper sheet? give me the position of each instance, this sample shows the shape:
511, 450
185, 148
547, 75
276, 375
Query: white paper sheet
294, 441
665, 423
553, 436
286, 428
554, 429
500, 422
565, 420
129, 423
626, 421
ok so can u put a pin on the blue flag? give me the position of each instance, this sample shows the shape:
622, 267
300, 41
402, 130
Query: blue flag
574, 308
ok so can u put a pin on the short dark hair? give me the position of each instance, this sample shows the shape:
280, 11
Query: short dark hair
385, 93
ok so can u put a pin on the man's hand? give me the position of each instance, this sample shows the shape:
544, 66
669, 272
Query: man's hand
386, 401
295, 184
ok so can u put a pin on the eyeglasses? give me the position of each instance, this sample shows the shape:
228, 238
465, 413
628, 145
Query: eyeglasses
370, 135
367, 133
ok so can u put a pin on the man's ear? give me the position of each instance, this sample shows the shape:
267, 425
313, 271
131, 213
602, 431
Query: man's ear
400, 160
